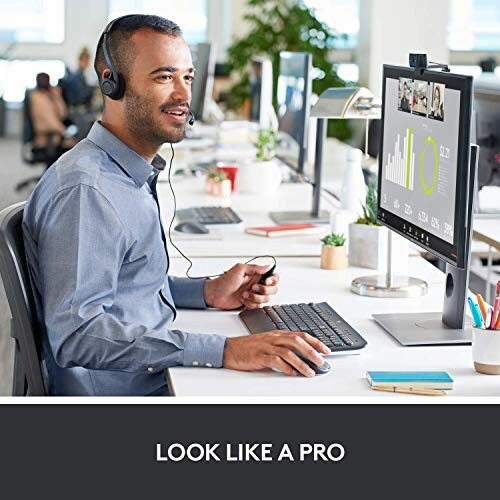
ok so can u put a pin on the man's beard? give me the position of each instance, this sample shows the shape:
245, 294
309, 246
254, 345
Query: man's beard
138, 114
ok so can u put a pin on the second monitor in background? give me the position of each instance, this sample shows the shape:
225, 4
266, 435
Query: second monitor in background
203, 56
261, 93
293, 106
487, 131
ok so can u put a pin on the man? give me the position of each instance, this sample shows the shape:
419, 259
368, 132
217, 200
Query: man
96, 248
404, 104
75, 87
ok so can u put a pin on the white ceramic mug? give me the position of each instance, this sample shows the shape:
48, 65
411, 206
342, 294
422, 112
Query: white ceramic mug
486, 351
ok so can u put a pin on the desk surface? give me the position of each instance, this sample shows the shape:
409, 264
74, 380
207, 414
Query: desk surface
254, 211
303, 280
488, 231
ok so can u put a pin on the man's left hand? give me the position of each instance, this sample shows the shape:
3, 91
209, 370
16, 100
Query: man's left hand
239, 287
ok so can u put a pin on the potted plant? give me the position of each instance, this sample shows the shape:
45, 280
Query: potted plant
262, 175
275, 26
212, 176
333, 252
368, 240
221, 185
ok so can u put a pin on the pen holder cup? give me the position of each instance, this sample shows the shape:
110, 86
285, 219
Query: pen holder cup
486, 351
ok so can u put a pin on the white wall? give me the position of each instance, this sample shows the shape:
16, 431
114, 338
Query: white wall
84, 22
390, 29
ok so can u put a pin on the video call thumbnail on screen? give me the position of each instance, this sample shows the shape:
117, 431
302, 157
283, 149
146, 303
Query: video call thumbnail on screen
421, 98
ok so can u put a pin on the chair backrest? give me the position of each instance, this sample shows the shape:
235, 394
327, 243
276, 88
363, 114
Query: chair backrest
15, 276
28, 129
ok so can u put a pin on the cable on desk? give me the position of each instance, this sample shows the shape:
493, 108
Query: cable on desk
170, 231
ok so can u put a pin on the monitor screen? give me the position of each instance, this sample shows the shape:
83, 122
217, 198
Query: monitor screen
203, 56
487, 114
293, 101
423, 166
261, 92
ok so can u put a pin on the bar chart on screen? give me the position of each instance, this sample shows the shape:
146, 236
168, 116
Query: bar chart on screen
401, 165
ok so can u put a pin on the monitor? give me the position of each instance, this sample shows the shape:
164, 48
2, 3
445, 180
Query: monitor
425, 186
261, 92
203, 56
487, 118
293, 108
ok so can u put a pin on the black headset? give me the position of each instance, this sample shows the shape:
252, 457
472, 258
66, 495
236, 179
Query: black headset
113, 86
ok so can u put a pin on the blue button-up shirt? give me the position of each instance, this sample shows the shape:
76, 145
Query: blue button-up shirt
98, 264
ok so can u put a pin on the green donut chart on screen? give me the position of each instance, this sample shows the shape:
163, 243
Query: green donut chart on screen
429, 190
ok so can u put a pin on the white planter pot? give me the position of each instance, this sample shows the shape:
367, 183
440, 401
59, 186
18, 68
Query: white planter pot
368, 248
259, 177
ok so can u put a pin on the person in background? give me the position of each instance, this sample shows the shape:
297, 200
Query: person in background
76, 90
48, 113
437, 105
404, 104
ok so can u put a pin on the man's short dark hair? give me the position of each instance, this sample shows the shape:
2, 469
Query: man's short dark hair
121, 53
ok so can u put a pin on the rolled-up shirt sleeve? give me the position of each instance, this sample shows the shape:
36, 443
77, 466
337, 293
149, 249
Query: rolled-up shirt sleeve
188, 293
79, 263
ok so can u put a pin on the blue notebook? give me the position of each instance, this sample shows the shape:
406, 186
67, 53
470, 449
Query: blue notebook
431, 380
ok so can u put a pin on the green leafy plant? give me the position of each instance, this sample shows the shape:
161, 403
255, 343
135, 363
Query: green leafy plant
334, 240
216, 175
266, 144
369, 216
285, 25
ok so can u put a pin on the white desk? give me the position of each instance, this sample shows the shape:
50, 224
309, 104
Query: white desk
488, 231
303, 280
254, 211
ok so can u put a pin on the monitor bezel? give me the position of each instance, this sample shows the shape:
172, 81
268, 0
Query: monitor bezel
455, 254
306, 115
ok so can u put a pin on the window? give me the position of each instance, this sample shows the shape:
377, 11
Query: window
340, 15
21, 75
474, 25
190, 16
343, 17
35, 21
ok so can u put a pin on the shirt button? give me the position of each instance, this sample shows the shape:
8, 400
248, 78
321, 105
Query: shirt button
196, 363
150, 369
208, 365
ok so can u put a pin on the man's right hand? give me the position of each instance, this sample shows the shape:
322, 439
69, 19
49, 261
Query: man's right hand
274, 350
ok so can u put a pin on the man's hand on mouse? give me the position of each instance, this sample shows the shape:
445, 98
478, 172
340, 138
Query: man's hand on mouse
239, 287
274, 350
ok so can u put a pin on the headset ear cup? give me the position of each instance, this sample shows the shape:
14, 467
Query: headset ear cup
108, 87
113, 90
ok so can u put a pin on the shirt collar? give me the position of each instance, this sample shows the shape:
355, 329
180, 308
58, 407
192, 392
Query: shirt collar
132, 163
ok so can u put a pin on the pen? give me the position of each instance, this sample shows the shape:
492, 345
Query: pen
489, 314
494, 314
476, 313
409, 390
482, 305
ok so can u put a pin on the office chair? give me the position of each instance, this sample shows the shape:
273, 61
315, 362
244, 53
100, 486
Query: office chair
31, 154
28, 374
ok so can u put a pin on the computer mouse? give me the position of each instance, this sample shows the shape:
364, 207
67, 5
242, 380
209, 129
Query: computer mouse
191, 227
318, 370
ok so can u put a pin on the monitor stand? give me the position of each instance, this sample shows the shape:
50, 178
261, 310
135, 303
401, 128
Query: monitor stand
315, 215
305, 217
440, 328
451, 327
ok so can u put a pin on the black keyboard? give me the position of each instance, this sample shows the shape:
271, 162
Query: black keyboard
209, 215
319, 320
